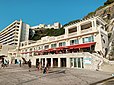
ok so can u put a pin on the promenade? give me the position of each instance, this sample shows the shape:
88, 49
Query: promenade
15, 75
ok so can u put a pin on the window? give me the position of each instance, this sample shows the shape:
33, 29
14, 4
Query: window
25, 50
72, 42
40, 48
30, 49
46, 46
53, 45
71, 30
15, 43
62, 44
86, 26
88, 39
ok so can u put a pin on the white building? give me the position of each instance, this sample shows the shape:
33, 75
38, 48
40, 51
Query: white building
56, 25
13, 34
73, 49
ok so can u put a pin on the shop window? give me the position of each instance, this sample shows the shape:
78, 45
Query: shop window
53, 45
88, 39
62, 44
72, 42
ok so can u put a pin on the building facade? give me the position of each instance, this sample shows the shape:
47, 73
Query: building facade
78, 47
56, 25
13, 34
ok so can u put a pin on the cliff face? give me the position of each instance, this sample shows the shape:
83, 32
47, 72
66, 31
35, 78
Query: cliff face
107, 13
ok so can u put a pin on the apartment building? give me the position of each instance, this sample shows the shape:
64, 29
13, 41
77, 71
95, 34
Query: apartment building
13, 34
78, 47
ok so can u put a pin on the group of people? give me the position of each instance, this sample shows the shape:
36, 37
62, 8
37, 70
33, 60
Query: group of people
4, 63
39, 67
42, 68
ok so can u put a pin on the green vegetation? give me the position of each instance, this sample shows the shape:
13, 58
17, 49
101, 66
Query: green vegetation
46, 32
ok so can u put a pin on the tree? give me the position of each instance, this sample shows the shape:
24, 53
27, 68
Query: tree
46, 32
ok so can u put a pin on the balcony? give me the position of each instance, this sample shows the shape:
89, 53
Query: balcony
86, 30
72, 34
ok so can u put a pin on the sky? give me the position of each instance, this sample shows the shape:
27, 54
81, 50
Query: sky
34, 12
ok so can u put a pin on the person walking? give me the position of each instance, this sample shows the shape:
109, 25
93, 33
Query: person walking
20, 63
44, 71
37, 66
29, 65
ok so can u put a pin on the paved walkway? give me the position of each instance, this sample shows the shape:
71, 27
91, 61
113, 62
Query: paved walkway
15, 75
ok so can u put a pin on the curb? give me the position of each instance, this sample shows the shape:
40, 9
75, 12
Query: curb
102, 81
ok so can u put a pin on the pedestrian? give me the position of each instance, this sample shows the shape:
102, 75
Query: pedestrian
20, 63
2, 65
37, 66
8, 63
5, 63
40, 67
44, 72
29, 64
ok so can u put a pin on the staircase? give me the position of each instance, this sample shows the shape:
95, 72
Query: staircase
98, 60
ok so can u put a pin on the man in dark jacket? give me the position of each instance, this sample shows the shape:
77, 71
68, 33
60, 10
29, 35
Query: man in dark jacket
29, 64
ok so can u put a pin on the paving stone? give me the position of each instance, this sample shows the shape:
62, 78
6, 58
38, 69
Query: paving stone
15, 75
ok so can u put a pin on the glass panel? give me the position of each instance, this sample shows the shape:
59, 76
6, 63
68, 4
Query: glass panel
53, 45
76, 41
46, 46
75, 65
72, 42
71, 62
88, 39
64, 43
60, 44
92, 38
79, 65
82, 63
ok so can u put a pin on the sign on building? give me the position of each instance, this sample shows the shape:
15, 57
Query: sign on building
87, 60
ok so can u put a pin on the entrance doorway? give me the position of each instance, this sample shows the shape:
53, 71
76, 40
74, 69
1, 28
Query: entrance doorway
48, 62
43, 62
37, 62
55, 62
77, 62
63, 62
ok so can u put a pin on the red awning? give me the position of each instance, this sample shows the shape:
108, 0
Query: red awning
24, 53
39, 51
61, 48
84, 45
44, 50
51, 49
